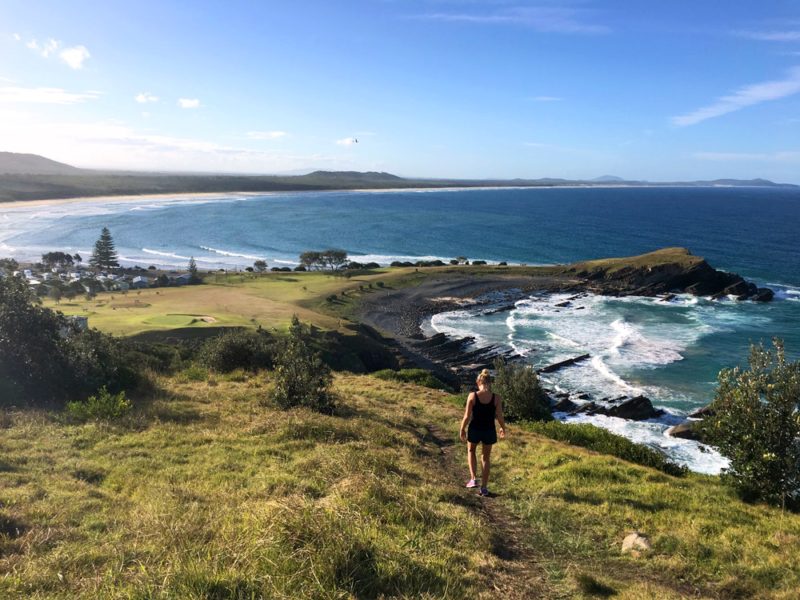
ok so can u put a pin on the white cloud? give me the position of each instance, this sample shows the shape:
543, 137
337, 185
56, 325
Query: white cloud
44, 49
145, 97
188, 102
44, 95
75, 56
545, 19
785, 156
348, 141
772, 36
112, 144
17, 37
744, 97
266, 135
545, 98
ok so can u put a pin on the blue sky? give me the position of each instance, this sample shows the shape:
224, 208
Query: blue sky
438, 88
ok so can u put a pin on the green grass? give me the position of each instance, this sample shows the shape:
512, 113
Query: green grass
415, 376
206, 491
605, 442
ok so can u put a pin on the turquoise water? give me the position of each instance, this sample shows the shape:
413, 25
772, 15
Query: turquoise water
669, 351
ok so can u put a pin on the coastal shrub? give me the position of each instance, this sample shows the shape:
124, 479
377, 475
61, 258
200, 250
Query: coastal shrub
478, 263
301, 378
523, 396
380, 284
238, 349
103, 406
44, 359
415, 376
757, 426
599, 440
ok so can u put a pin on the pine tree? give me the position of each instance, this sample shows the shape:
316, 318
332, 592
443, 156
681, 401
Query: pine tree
194, 275
104, 255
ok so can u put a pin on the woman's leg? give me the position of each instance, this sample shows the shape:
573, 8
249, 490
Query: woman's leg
472, 461
485, 457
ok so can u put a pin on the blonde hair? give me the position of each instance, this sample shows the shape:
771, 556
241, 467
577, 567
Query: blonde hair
484, 377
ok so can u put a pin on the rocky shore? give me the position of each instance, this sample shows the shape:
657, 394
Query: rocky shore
401, 313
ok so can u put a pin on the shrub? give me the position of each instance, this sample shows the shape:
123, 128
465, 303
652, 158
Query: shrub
103, 406
44, 359
476, 263
301, 378
523, 396
380, 284
757, 426
194, 373
231, 350
416, 376
605, 442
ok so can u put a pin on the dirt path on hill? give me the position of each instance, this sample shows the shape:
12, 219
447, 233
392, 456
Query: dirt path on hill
514, 573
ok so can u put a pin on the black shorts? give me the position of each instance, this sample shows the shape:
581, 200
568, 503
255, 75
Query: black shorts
482, 436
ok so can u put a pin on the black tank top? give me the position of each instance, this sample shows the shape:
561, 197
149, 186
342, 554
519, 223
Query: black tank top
483, 414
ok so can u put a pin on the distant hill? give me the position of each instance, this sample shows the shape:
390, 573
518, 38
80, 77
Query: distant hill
608, 179
32, 177
12, 163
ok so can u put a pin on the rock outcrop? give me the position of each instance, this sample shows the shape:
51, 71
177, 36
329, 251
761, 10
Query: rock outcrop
663, 272
639, 408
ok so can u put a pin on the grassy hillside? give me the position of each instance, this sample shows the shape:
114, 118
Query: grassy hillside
209, 492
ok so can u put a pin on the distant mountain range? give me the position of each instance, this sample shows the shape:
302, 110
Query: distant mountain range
33, 177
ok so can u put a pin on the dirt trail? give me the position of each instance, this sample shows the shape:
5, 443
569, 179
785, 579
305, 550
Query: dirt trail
514, 572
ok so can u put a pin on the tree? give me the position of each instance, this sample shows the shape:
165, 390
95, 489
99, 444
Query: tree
757, 426
77, 258
9, 265
334, 259
523, 396
311, 259
57, 259
260, 265
104, 255
301, 378
194, 274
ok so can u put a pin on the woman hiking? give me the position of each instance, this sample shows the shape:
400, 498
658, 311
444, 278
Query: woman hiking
483, 407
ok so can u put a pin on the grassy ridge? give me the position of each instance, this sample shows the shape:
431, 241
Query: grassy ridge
207, 493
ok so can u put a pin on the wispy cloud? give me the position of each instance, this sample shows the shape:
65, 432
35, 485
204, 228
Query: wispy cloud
114, 144
45, 49
266, 135
145, 97
348, 141
17, 37
188, 102
747, 96
787, 35
545, 19
545, 98
782, 157
44, 95
72, 56
75, 56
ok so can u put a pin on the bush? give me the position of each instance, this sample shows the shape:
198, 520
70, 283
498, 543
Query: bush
756, 425
251, 350
523, 396
476, 263
43, 359
103, 406
415, 376
301, 378
605, 442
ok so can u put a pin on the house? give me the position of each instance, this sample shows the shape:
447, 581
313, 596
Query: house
140, 282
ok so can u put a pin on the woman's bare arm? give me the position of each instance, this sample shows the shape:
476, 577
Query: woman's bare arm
467, 417
499, 416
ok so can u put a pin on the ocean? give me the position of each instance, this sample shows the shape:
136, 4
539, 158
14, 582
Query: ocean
669, 351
